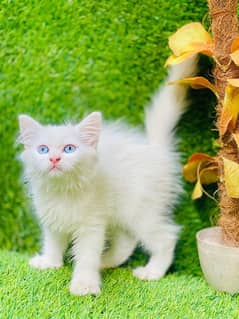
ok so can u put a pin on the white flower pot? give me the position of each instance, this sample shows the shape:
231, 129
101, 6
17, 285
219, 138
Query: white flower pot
219, 262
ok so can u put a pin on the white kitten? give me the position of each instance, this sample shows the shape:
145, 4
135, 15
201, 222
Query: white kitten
91, 183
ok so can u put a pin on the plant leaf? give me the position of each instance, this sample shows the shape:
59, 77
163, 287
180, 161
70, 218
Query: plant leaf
190, 39
191, 167
230, 109
197, 191
209, 175
225, 119
235, 57
231, 178
236, 138
233, 82
201, 157
198, 82
235, 44
235, 51
202, 169
173, 59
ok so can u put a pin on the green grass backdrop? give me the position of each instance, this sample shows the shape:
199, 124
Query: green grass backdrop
58, 60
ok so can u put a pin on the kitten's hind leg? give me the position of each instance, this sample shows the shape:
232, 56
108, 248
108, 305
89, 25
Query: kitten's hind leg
161, 247
121, 248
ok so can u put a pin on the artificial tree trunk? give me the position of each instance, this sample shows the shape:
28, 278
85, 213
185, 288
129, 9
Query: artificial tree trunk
224, 25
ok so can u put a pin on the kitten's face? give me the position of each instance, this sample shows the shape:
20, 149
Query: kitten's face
56, 150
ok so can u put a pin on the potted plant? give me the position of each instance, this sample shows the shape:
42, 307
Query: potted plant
218, 246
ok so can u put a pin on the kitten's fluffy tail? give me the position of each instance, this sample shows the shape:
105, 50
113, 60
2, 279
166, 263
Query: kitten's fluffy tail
169, 103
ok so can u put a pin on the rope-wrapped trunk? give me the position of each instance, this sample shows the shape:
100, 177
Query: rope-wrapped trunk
224, 24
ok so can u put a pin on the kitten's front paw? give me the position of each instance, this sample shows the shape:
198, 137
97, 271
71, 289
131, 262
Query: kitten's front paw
147, 273
80, 287
44, 262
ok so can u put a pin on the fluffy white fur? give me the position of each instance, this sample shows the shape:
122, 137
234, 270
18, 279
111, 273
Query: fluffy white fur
119, 187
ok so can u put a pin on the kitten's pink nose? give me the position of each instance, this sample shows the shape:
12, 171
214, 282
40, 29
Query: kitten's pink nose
54, 160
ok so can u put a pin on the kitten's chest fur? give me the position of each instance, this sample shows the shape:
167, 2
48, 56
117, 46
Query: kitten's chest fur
70, 210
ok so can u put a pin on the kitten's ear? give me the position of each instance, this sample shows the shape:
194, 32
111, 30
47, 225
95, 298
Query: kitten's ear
28, 128
90, 128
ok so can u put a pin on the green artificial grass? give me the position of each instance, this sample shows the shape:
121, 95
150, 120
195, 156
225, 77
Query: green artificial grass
28, 293
61, 59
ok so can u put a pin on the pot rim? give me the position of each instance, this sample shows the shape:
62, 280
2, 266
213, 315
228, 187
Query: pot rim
208, 239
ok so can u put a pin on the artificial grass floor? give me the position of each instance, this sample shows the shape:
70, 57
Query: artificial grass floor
58, 60
26, 293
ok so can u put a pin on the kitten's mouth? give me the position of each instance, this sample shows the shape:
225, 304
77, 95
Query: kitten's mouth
55, 168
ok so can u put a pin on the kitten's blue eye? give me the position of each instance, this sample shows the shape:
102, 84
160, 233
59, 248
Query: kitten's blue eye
69, 148
43, 149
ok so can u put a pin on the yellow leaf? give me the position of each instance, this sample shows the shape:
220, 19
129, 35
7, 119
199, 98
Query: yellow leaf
197, 82
235, 57
231, 177
209, 175
235, 44
230, 109
201, 157
235, 51
203, 169
197, 191
190, 169
236, 138
233, 82
225, 119
173, 59
188, 38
